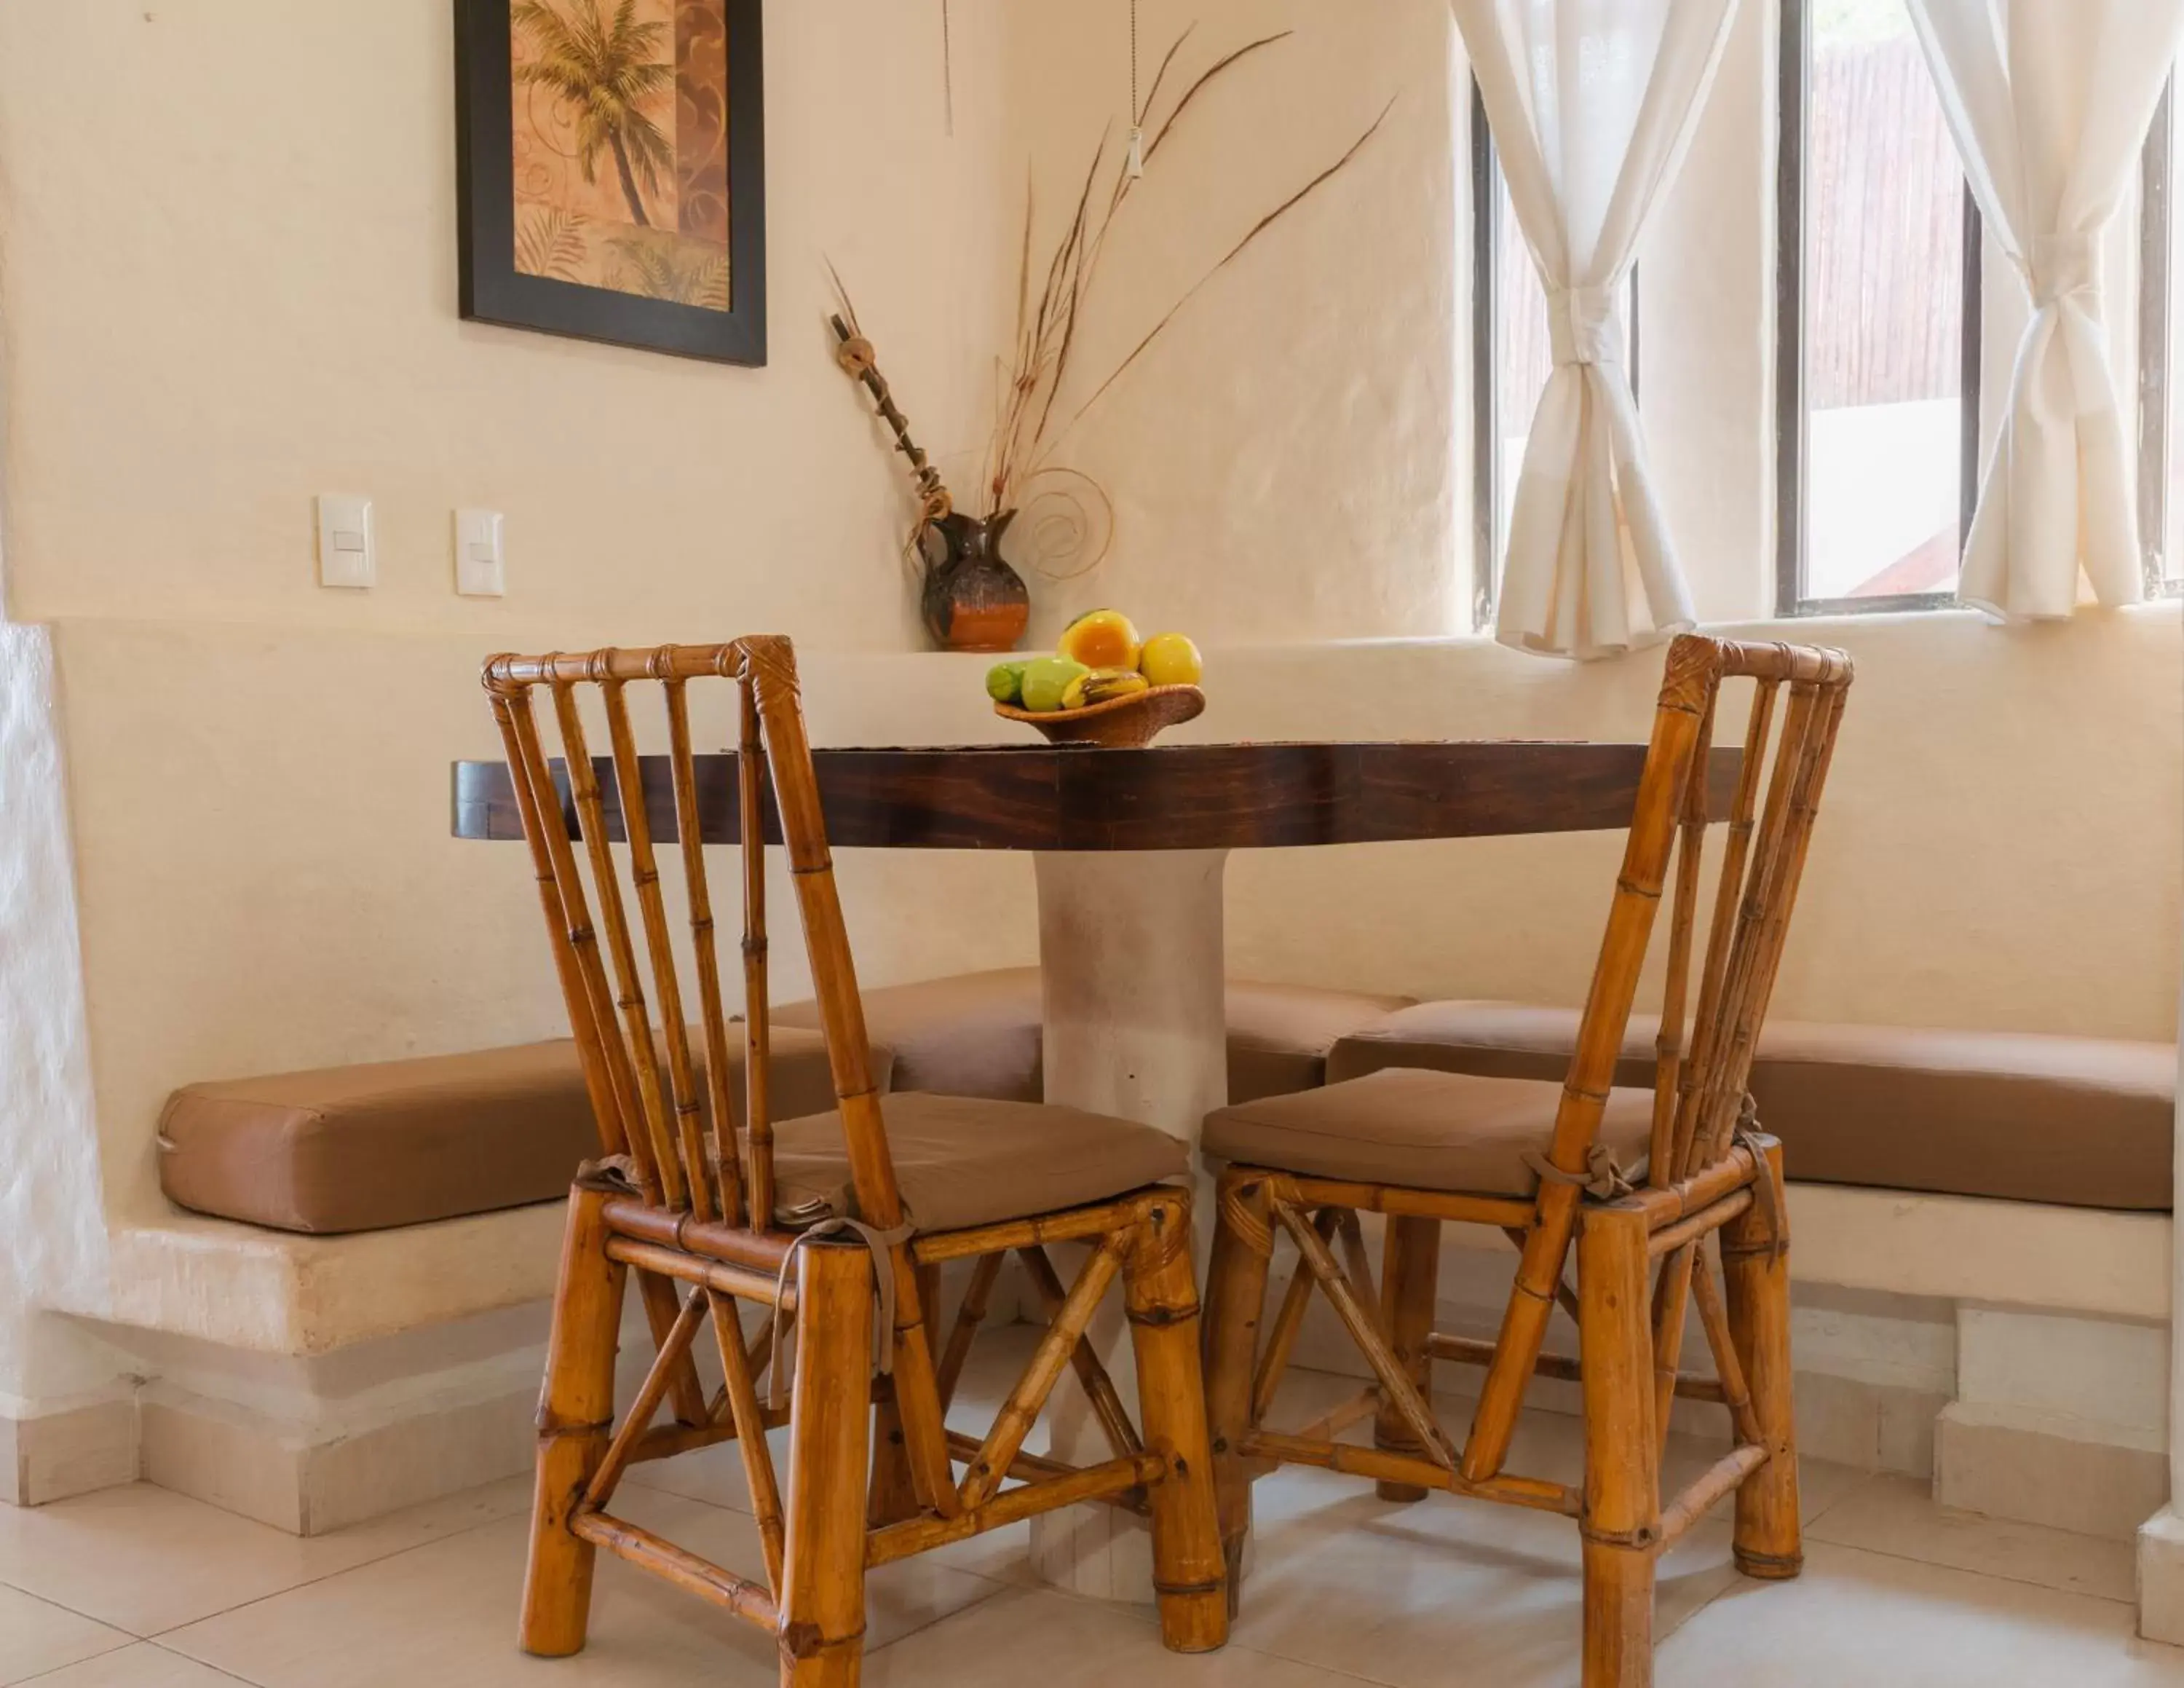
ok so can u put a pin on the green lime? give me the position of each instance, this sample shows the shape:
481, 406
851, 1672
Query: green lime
1045, 680
1005, 681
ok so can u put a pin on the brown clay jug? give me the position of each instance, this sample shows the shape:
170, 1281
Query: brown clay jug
973, 600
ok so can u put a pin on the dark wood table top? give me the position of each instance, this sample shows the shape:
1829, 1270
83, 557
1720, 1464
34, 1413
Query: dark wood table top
1195, 796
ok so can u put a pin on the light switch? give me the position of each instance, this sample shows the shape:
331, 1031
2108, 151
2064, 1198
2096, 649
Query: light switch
346, 554
479, 570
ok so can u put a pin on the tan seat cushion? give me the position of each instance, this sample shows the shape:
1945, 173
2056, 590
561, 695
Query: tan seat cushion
2070, 1122
978, 1034
1432, 1130
399, 1143
966, 1160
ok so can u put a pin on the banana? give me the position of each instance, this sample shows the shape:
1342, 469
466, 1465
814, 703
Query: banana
1104, 685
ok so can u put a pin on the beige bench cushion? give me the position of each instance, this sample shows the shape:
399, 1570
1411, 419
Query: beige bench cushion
1431, 1131
978, 1034
1280, 1035
2071, 1121
975, 1034
966, 1160
398, 1143
1489, 1039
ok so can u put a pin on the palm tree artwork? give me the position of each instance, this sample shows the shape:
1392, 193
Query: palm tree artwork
604, 73
599, 197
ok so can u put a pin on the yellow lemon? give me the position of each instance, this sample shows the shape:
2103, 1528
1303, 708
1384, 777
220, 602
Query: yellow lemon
1103, 638
1171, 659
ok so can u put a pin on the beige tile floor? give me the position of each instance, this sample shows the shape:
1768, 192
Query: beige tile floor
137, 1588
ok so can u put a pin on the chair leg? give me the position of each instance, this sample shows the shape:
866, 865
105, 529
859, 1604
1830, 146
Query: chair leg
1161, 1294
822, 1598
1755, 1274
1621, 1518
576, 1410
894, 1496
1408, 1281
1236, 1296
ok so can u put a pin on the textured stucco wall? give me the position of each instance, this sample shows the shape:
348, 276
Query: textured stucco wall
1283, 460
231, 283
52, 1228
202, 329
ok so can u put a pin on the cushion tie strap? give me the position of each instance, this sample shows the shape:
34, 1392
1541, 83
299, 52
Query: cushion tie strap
1766, 1193
1601, 1179
614, 1175
880, 1245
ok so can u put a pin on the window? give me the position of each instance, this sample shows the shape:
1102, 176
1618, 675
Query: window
1510, 358
2160, 405
1878, 318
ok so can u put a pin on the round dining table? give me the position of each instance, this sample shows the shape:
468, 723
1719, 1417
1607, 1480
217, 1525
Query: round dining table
1129, 847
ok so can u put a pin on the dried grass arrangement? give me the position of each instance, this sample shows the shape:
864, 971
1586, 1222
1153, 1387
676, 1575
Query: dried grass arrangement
1069, 516
1026, 431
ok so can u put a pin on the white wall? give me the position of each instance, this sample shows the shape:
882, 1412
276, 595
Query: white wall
1280, 460
1999, 847
231, 283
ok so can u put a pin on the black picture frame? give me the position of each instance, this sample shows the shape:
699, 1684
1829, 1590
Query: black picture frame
492, 289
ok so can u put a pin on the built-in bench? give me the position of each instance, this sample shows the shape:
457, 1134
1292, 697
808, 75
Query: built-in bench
1982, 1181
347, 1318
1871, 1116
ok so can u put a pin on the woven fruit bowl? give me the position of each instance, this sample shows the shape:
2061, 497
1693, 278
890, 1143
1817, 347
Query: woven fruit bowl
1121, 723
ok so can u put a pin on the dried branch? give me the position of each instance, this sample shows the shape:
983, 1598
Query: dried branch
854, 352
1160, 76
848, 309
1046, 339
1233, 253
1080, 277
1192, 92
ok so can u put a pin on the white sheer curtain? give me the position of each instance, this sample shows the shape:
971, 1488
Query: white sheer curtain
2049, 101
1591, 102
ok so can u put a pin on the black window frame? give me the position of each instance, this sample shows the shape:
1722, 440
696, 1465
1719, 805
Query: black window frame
1794, 76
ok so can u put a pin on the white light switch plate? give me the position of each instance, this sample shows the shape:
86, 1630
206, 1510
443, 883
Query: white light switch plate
346, 556
481, 569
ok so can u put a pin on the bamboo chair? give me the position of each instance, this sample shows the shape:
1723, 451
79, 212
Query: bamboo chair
1642, 1252
695, 1210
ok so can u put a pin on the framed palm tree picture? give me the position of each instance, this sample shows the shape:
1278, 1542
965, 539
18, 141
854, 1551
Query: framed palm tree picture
612, 171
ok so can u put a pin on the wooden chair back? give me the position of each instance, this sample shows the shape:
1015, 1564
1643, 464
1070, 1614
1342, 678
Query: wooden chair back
680, 1139
1700, 1084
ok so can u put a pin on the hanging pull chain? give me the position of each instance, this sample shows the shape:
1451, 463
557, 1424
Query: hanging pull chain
1135, 162
948, 68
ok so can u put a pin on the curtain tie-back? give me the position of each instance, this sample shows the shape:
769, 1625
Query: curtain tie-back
1581, 325
2065, 264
